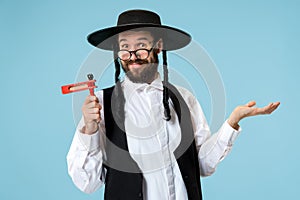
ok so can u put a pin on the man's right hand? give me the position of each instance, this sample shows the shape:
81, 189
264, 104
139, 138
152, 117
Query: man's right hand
91, 114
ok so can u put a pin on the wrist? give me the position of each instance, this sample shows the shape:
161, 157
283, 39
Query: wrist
90, 128
233, 123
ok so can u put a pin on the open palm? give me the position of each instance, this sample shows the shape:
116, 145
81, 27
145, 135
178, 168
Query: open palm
248, 110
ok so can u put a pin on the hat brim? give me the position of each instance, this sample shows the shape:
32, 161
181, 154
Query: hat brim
173, 38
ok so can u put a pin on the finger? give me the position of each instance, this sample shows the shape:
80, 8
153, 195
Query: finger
270, 108
90, 99
93, 117
97, 117
259, 111
87, 100
265, 110
98, 120
93, 98
93, 111
273, 107
251, 103
93, 104
99, 106
276, 104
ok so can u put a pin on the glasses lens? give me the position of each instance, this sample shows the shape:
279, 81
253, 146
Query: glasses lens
124, 55
141, 54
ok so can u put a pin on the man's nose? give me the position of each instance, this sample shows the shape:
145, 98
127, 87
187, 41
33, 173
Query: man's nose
133, 56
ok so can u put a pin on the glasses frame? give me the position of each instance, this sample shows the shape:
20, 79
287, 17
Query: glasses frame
131, 52
134, 52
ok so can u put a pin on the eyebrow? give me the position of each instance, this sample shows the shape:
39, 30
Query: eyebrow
122, 40
142, 38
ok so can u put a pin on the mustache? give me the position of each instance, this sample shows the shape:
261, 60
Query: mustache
137, 61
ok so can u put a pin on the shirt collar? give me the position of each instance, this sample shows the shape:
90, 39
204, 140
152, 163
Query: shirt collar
129, 86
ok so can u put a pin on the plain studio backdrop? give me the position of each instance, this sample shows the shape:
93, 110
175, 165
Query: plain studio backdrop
253, 44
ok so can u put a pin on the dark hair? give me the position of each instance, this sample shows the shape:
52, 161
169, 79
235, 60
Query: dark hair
118, 96
166, 87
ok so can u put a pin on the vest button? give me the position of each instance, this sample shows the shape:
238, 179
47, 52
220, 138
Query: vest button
186, 176
140, 195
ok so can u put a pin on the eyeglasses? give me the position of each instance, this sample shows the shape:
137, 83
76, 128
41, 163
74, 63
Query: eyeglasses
139, 53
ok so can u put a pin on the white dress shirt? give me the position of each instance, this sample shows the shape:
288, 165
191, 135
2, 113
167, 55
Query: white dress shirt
148, 134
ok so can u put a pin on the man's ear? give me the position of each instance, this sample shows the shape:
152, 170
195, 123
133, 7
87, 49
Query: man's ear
159, 45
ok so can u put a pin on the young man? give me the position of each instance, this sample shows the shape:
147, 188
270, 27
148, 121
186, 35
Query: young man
145, 138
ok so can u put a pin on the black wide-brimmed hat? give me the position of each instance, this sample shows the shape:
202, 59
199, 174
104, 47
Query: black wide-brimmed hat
173, 38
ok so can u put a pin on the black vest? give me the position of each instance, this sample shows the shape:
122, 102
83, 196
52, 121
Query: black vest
120, 185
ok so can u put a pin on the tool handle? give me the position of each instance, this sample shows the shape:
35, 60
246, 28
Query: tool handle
92, 92
91, 84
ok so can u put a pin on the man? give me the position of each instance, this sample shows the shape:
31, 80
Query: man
145, 138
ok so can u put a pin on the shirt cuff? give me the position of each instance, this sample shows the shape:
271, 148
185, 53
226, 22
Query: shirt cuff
89, 142
229, 134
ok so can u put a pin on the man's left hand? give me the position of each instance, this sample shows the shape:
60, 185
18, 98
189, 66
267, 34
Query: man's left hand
248, 110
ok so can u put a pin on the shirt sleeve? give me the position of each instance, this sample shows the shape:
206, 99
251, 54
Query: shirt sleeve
85, 158
212, 148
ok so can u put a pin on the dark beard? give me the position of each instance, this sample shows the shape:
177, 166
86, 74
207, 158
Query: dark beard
145, 74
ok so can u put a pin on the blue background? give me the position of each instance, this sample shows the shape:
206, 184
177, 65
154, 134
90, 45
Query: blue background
255, 45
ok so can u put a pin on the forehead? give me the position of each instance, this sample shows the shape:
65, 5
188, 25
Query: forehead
132, 36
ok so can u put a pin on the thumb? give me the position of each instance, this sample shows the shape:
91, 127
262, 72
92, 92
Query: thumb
251, 103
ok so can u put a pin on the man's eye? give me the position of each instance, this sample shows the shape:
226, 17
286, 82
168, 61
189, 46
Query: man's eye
124, 46
142, 45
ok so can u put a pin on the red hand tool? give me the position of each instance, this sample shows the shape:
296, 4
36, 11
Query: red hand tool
66, 89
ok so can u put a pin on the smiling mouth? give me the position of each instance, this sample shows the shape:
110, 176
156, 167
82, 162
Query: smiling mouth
135, 65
